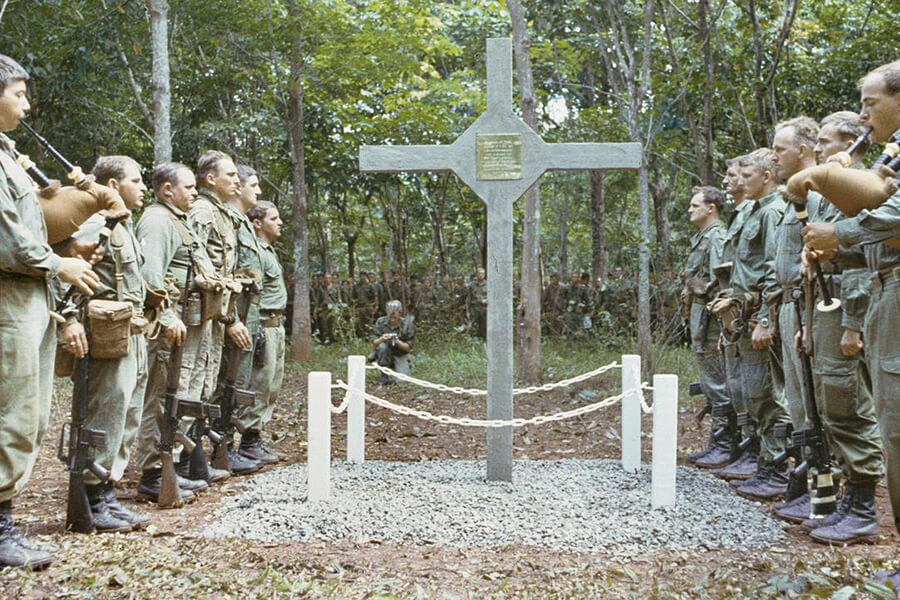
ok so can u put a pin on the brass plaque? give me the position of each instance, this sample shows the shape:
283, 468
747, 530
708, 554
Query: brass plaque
498, 156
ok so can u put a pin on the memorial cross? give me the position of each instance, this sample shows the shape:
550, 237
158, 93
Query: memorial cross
499, 157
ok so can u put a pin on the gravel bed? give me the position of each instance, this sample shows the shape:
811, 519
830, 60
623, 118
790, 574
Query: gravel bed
567, 505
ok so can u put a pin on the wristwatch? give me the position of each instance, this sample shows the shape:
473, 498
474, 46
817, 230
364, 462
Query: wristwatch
764, 322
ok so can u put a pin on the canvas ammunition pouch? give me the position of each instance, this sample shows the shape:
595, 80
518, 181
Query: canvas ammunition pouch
65, 362
109, 325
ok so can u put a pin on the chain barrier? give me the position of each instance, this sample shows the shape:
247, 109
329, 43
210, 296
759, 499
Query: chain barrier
487, 423
477, 392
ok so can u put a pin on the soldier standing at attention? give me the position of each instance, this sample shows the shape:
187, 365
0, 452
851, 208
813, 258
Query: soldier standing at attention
268, 356
880, 96
707, 247
28, 335
216, 227
116, 385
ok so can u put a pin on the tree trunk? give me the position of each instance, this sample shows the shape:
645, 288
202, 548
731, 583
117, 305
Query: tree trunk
644, 269
707, 171
598, 226
162, 95
301, 335
562, 209
351, 255
529, 334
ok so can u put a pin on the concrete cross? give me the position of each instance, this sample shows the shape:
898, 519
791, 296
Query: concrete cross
499, 157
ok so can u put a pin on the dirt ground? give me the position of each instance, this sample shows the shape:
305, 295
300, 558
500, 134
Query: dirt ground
168, 560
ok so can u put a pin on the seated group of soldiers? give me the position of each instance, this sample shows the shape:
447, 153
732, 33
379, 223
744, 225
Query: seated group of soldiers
790, 377
173, 330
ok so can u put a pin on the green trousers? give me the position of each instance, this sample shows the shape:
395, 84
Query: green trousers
27, 355
844, 400
764, 402
267, 380
116, 389
882, 325
194, 366
793, 373
710, 362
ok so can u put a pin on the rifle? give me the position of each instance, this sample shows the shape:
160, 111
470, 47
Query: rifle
169, 493
232, 396
77, 445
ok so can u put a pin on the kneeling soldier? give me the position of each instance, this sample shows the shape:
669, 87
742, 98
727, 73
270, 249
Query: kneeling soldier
393, 335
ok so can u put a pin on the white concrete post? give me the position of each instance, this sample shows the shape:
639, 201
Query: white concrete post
665, 440
318, 459
631, 413
356, 409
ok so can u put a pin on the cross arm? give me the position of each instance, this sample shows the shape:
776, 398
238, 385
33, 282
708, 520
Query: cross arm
593, 156
400, 159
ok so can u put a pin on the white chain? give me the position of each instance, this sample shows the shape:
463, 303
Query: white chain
476, 392
467, 422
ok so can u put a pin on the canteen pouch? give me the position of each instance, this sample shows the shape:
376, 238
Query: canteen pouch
193, 311
65, 362
110, 328
259, 348
218, 304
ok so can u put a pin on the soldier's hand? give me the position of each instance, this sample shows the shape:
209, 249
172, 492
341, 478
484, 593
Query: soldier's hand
238, 333
176, 333
74, 339
851, 342
78, 272
89, 251
821, 237
762, 338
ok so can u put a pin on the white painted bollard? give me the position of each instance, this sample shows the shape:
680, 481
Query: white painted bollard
318, 459
356, 409
631, 413
665, 440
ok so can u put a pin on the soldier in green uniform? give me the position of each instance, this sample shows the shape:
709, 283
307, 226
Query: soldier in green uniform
576, 303
268, 363
476, 303
880, 94
366, 295
397, 289
27, 335
170, 248
707, 248
751, 276
743, 465
551, 297
116, 385
216, 227
842, 381
393, 337
327, 305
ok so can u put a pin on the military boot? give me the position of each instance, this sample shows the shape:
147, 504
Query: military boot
187, 469
719, 455
15, 549
104, 520
838, 514
794, 511
119, 511
769, 483
252, 447
150, 484
744, 467
693, 456
240, 464
859, 523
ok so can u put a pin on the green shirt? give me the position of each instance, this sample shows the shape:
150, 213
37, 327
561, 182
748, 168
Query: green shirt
405, 329
753, 269
707, 249
274, 291
23, 233
216, 227
122, 248
735, 225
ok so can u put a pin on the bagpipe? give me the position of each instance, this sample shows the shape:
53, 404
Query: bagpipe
65, 207
850, 190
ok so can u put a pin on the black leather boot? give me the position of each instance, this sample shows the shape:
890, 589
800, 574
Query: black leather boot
104, 520
719, 455
859, 524
770, 482
252, 447
841, 510
242, 465
738, 470
119, 511
693, 456
795, 511
15, 549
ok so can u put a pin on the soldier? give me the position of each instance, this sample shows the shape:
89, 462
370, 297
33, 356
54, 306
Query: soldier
398, 289
249, 264
752, 272
576, 303
366, 295
170, 248
268, 360
28, 336
216, 227
329, 297
743, 464
880, 94
393, 337
551, 297
707, 247
793, 144
476, 303
116, 385
843, 387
